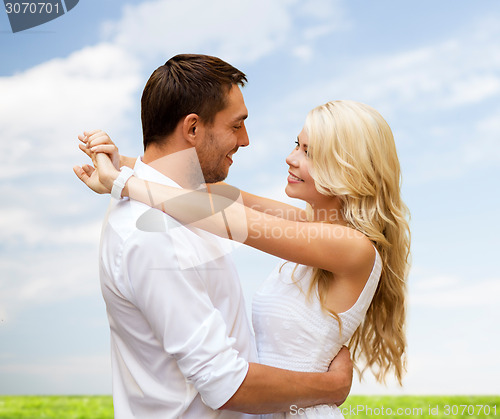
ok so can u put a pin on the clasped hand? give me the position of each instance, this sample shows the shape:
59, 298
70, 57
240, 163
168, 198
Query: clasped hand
105, 157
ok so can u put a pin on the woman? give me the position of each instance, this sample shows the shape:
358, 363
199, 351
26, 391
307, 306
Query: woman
345, 259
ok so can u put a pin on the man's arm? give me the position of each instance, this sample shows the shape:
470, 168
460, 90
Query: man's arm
267, 389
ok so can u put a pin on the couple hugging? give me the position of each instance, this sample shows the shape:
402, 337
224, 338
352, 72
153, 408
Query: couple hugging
181, 342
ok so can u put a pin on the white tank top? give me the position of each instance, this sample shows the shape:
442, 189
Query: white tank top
294, 333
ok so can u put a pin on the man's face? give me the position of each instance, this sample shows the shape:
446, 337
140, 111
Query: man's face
223, 138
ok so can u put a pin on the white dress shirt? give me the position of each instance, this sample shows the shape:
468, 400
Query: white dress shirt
180, 337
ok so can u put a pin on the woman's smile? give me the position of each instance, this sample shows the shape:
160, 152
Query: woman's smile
294, 179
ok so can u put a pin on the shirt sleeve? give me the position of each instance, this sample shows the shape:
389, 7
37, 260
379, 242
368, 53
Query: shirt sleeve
177, 305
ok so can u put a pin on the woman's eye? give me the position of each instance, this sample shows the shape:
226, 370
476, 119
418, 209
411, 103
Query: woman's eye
297, 146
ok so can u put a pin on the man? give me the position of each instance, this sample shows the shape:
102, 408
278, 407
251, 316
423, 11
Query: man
181, 342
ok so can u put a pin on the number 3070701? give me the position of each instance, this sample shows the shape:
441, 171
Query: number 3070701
32, 8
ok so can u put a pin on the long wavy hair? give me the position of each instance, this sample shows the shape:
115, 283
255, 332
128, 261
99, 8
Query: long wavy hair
353, 157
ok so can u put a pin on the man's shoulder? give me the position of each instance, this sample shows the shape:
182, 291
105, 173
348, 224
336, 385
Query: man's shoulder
133, 220
133, 226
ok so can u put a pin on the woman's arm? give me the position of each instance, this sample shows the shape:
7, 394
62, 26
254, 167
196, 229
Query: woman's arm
331, 247
127, 161
271, 206
335, 248
99, 142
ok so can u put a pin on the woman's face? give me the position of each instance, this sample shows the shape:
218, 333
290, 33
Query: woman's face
300, 182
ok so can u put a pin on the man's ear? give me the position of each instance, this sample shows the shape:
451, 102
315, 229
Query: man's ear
191, 128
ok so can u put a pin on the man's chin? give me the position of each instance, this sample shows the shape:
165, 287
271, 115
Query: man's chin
215, 177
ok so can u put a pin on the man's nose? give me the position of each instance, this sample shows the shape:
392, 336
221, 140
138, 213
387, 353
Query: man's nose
243, 139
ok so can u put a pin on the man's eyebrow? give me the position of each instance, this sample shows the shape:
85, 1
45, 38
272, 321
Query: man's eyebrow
241, 117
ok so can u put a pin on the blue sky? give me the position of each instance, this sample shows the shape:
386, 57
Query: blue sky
431, 68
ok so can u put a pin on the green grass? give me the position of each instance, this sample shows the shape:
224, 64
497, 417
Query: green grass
56, 407
101, 407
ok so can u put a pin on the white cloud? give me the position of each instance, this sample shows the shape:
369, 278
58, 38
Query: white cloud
452, 150
463, 70
484, 146
452, 292
241, 31
39, 277
318, 9
63, 375
438, 282
43, 109
28, 227
419, 92
66, 365
473, 89
304, 52
449, 74
455, 369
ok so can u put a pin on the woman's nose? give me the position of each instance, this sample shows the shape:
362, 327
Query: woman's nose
292, 160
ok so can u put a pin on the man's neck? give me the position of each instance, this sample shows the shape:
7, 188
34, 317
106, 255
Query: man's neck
178, 163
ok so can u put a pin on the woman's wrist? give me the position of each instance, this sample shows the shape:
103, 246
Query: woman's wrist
125, 192
120, 182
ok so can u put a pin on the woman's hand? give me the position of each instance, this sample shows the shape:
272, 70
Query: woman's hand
99, 178
88, 175
98, 141
104, 154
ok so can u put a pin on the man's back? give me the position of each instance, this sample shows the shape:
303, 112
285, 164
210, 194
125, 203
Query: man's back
179, 331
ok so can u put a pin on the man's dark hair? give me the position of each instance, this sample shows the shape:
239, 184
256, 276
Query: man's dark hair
187, 83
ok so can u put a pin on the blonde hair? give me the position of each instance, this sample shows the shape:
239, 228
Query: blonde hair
353, 156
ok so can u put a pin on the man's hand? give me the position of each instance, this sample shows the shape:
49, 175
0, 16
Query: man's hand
267, 389
341, 368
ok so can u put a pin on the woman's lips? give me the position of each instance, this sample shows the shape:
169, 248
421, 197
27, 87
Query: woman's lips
294, 179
